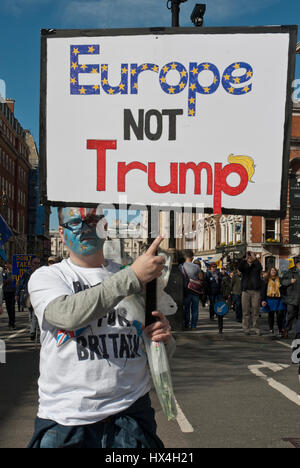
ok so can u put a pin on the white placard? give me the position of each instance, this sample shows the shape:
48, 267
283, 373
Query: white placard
165, 119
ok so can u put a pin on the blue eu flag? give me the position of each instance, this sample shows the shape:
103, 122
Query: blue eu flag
5, 232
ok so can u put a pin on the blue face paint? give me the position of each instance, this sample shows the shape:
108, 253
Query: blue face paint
80, 232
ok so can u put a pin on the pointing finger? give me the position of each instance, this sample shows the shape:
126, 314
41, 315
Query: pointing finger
154, 246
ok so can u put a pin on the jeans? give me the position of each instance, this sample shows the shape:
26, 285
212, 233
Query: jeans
237, 300
213, 298
134, 427
9, 298
191, 303
33, 321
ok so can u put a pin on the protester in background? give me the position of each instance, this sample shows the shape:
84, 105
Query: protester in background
9, 293
225, 286
94, 383
203, 297
291, 282
236, 291
52, 260
22, 290
250, 269
271, 300
191, 271
214, 283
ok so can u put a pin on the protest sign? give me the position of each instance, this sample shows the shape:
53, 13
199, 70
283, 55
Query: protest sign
20, 264
168, 116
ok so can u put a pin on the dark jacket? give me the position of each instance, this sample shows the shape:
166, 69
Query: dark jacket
251, 275
236, 284
226, 286
213, 286
23, 282
8, 283
292, 291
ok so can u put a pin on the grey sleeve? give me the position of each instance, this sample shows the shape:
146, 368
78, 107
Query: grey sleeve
79, 310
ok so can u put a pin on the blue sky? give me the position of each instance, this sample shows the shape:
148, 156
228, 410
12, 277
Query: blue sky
22, 20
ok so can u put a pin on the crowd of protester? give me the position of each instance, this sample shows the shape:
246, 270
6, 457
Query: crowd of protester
246, 288
248, 291
14, 293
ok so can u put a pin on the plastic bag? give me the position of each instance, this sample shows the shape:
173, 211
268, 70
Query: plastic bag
156, 352
161, 375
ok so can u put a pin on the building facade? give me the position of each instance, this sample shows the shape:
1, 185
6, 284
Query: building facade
14, 177
19, 184
58, 248
38, 237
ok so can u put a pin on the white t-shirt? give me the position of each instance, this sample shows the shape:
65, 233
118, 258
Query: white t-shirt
96, 374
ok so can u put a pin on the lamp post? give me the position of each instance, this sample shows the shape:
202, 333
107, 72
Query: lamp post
197, 18
174, 6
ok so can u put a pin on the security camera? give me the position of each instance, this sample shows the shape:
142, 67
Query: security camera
197, 16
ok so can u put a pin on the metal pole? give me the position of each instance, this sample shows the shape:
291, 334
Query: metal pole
175, 13
151, 296
175, 24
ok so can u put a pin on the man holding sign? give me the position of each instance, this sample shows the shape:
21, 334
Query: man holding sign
94, 385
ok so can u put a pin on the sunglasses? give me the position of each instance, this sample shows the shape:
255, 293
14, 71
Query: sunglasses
76, 225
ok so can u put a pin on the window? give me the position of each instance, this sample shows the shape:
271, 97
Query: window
213, 236
206, 237
223, 225
270, 231
200, 228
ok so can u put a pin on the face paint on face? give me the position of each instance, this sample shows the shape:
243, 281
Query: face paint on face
80, 231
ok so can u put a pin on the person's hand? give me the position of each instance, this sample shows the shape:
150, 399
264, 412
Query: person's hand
293, 280
149, 266
264, 303
159, 330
